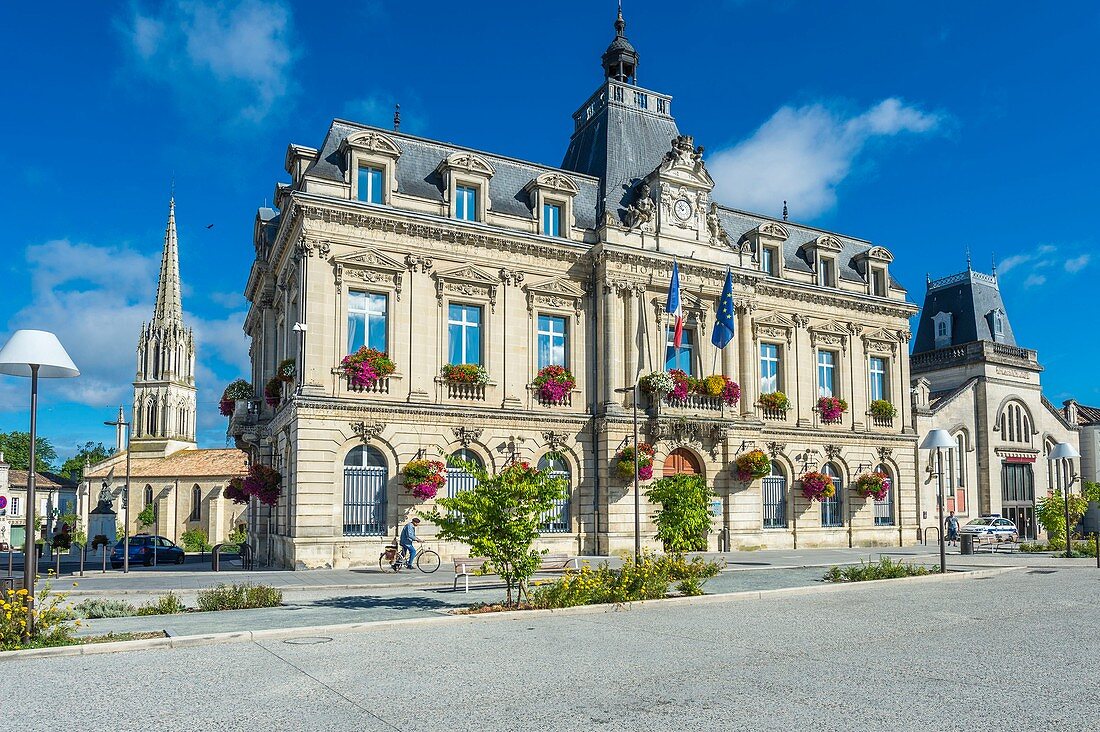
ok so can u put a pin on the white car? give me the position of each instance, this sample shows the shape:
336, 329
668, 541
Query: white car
994, 527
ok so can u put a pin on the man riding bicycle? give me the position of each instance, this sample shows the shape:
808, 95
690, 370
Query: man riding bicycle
408, 537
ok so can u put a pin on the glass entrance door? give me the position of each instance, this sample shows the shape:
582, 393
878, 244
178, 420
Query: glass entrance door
1018, 498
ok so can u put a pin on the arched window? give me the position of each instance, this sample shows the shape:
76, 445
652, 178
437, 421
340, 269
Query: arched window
681, 460
556, 520
151, 419
196, 503
148, 496
365, 475
831, 507
458, 478
773, 490
884, 509
960, 460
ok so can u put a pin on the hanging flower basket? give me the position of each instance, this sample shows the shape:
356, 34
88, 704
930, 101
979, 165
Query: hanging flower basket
775, 401
882, 409
817, 486
286, 370
753, 464
873, 485
624, 462
657, 382
424, 478
235, 491
263, 482
465, 373
365, 367
554, 384
831, 408
235, 391
273, 391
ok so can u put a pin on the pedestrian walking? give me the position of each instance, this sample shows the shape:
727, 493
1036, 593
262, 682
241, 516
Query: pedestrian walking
952, 522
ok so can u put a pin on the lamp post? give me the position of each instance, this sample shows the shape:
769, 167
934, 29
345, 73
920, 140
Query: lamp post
937, 440
1065, 451
120, 422
637, 495
34, 353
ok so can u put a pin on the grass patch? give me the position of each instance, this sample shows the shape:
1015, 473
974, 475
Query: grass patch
239, 597
116, 637
885, 568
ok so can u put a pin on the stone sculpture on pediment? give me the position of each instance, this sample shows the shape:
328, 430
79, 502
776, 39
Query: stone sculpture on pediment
639, 214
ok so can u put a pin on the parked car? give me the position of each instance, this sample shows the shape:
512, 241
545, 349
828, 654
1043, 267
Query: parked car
992, 526
142, 548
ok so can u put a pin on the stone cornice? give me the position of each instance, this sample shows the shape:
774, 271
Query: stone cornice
837, 299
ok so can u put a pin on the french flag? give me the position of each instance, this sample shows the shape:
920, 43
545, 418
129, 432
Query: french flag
674, 307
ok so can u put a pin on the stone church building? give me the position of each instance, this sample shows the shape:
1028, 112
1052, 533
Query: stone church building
438, 254
167, 468
971, 378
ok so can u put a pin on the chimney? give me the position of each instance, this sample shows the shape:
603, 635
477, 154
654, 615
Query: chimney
1069, 411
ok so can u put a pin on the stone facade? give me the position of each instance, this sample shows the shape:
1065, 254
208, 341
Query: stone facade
416, 227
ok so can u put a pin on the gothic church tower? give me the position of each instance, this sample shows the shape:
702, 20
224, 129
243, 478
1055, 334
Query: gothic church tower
164, 387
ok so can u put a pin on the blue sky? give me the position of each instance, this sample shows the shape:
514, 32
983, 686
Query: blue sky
925, 127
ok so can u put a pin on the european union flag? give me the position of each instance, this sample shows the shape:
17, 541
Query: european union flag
724, 322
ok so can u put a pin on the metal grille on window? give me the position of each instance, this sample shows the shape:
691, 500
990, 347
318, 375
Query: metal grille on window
774, 490
884, 509
831, 514
556, 520
365, 476
459, 480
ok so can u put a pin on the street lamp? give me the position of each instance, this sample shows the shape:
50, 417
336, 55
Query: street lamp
637, 495
34, 353
937, 440
120, 422
1065, 451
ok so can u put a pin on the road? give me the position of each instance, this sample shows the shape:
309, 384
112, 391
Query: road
1017, 650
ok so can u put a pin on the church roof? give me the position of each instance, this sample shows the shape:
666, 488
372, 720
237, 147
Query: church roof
970, 298
1087, 416
43, 480
195, 463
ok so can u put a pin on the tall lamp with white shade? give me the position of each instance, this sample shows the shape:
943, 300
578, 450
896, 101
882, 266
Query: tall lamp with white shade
937, 440
1065, 451
34, 353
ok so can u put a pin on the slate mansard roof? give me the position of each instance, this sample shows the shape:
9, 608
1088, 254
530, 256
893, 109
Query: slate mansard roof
970, 298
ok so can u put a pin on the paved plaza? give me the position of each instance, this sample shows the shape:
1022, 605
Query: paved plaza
898, 655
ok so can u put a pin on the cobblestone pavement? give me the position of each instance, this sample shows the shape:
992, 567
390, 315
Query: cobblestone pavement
1010, 651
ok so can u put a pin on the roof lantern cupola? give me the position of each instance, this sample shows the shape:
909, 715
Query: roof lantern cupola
620, 60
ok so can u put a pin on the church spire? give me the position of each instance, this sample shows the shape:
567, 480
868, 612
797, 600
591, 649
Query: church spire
169, 301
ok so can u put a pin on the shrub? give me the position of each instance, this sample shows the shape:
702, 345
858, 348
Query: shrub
554, 383
886, 568
883, 409
753, 464
648, 578
97, 608
168, 604
1051, 512
1080, 548
235, 538
239, 597
52, 626
366, 366
148, 515
464, 373
195, 540
817, 486
775, 401
624, 462
684, 519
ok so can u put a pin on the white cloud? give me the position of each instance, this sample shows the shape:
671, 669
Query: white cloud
802, 154
1035, 280
1011, 263
217, 56
1076, 264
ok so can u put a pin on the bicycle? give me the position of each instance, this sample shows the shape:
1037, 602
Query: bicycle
393, 560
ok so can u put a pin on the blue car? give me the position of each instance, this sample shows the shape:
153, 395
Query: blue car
142, 547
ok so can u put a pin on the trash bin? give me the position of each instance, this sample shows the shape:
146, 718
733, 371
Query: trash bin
966, 544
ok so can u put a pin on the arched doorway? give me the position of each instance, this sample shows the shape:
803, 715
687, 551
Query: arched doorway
681, 461
773, 490
365, 474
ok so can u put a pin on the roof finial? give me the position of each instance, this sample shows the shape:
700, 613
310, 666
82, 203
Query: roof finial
396, 117
994, 264
784, 210
968, 267
620, 24
172, 195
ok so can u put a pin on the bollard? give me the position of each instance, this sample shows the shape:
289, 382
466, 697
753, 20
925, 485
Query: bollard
104, 550
57, 563
83, 551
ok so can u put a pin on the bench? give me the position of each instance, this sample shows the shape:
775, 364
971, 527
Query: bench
467, 566
993, 542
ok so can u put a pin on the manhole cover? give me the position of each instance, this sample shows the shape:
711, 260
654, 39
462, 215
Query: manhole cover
307, 641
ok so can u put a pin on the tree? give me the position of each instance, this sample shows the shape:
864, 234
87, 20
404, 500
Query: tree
1051, 513
683, 521
16, 447
500, 519
90, 453
148, 515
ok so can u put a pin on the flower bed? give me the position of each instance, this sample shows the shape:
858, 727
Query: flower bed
753, 464
273, 391
365, 367
424, 478
236, 390
624, 462
554, 384
465, 373
775, 401
831, 408
876, 485
263, 482
817, 486
882, 409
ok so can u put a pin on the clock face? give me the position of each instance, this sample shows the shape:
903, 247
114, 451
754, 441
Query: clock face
683, 209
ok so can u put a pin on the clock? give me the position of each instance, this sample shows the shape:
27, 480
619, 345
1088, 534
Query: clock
683, 209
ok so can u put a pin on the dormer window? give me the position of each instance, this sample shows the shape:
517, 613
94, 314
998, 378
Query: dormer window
765, 242
466, 203
768, 260
551, 199
551, 219
371, 160
874, 265
941, 328
826, 271
878, 282
998, 325
370, 183
466, 185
